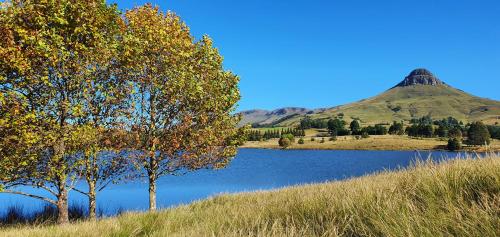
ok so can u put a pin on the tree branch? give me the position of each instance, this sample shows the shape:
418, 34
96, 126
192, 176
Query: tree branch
30, 195
80, 191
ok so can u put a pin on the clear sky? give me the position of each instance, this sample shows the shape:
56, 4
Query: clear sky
325, 53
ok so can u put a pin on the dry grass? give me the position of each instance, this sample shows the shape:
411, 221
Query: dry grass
386, 142
457, 198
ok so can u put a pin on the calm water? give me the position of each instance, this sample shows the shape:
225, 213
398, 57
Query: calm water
252, 169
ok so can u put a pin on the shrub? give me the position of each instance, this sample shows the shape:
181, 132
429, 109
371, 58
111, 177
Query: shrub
301, 141
289, 136
454, 144
322, 140
284, 142
365, 135
313, 139
333, 138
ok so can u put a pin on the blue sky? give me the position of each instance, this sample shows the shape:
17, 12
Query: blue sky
325, 53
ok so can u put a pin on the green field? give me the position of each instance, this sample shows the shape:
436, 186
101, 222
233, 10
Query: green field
457, 198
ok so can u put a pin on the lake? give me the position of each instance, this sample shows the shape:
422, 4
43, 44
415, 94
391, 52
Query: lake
252, 169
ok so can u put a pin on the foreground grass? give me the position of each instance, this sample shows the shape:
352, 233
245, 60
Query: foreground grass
457, 198
385, 142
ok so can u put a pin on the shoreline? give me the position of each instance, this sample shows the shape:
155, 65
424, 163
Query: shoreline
373, 143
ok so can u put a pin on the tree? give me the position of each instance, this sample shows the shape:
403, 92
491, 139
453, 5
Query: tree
478, 134
47, 51
284, 142
355, 127
442, 131
336, 127
104, 108
396, 128
184, 99
494, 131
455, 132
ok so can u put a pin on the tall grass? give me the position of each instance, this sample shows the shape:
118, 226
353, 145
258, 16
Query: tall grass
15, 215
454, 198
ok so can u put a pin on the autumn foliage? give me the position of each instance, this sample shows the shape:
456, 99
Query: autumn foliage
87, 92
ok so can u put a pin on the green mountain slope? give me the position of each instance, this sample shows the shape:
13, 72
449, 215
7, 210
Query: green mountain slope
420, 94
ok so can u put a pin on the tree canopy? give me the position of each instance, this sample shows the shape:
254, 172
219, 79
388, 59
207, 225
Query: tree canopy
80, 83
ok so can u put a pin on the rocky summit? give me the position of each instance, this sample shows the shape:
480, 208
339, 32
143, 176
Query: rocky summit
420, 77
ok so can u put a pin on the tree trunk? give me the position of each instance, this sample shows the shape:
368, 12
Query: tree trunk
62, 198
152, 193
62, 206
92, 201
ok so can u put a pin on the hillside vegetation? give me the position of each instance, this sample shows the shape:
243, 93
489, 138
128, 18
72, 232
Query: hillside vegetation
419, 94
456, 198
405, 103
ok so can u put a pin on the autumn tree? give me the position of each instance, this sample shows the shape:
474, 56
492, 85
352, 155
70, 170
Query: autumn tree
105, 110
184, 99
47, 51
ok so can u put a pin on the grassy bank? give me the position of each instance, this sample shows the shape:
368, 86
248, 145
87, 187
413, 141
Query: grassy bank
385, 142
457, 198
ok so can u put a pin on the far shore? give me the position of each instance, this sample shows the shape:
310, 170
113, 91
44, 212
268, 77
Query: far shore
382, 143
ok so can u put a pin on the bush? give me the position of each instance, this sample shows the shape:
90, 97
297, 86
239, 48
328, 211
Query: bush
454, 144
284, 142
313, 139
365, 135
301, 141
289, 136
322, 140
333, 138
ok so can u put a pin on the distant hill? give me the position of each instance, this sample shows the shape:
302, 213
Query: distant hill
419, 94
269, 118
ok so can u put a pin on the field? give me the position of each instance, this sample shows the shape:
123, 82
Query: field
456, 198
385, 142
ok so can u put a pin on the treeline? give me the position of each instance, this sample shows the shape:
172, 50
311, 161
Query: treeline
476, 133
93, 95
337, 127
257, 135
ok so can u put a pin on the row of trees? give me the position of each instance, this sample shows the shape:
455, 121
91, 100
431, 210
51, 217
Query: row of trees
257, 135
88, 93
422, 127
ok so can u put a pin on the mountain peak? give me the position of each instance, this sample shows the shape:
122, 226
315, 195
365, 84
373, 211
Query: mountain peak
420, 76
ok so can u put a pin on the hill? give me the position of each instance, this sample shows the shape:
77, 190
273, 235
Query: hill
419, 94
265, 117
455, 198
